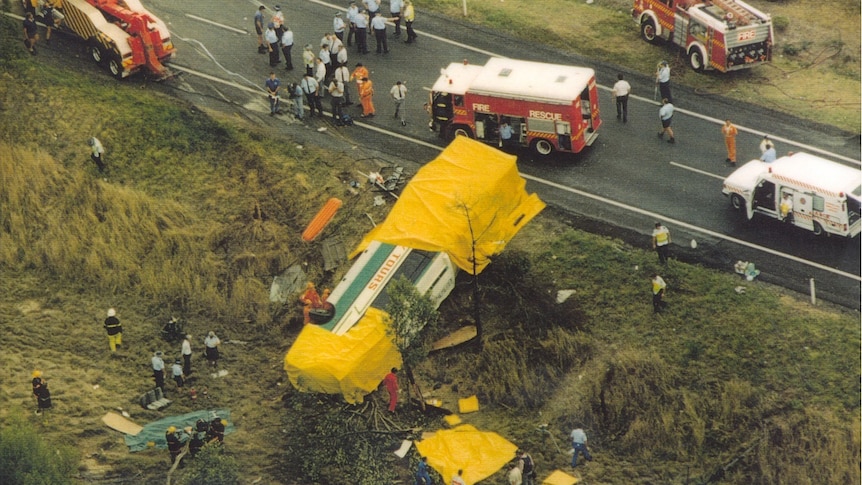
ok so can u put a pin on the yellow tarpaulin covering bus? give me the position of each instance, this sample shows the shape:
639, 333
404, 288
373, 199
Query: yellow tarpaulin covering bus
352, 364
471, 192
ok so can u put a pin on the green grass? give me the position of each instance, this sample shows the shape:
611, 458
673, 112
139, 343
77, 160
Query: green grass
195, 217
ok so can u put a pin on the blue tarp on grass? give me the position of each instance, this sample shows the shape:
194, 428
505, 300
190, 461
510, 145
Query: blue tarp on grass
155, 431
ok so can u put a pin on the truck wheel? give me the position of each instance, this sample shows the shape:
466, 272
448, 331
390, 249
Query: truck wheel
461, 130
817, 230
737, 202
96, 52
648, 31
695, 60
542, 147
115, 67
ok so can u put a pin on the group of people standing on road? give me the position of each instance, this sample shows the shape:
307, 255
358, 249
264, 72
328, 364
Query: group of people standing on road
326, 71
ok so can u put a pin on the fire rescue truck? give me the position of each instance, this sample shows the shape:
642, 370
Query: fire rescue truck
549, 107
121, 35
724, 35
801, 190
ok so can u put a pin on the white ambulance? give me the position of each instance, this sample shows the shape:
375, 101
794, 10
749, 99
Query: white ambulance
800, 189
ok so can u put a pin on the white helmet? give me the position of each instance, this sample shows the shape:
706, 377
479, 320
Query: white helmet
111, 312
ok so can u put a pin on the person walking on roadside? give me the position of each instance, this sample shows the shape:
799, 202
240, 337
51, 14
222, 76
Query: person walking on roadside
661, 242
258, 28
658, 290
665, 114
399, 94
391, 383
211, 343
114, 329
286, 47
187, 355
158, 370
579, 444
310, 87
271, 38
621, 91
409, 17
273, 84
366, 95
729, 131
662, 78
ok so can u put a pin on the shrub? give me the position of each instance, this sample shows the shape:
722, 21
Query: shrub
212, 466
780, 23
26, 459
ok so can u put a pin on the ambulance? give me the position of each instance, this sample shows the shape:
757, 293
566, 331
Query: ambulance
549, 107
802, 190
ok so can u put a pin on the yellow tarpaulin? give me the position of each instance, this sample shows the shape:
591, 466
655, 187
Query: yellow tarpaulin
559, 477
479, 453
352, 364
471, 192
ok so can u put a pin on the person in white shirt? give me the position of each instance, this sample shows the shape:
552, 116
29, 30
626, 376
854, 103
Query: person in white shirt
338, 26
352, 12
395, 13
286, 46
399, 94
187, 355
212, 342
665, 114
579, 443
621, 91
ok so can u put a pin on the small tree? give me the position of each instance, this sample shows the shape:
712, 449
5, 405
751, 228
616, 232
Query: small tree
211, 466
25, 458
411, 316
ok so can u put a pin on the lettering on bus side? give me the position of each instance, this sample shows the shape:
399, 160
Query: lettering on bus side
545, 115
383, 271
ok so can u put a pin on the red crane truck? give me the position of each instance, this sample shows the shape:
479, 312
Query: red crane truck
724, 35
121, 35
549, 107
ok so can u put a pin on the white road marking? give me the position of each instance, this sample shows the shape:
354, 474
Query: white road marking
223, 26
696, 170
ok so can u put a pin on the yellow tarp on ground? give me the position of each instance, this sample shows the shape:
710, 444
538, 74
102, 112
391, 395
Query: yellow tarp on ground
470, 192
479, 453
352, 364
559, 477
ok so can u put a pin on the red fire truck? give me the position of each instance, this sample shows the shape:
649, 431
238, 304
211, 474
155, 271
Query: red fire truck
724, 35
549, 107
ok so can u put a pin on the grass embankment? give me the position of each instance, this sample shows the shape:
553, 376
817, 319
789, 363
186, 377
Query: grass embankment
815, 73
195, 217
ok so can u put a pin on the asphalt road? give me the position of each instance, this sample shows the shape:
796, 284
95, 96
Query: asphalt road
647, 178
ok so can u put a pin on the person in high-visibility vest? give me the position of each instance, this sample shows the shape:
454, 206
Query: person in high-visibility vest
658, 287
661, 242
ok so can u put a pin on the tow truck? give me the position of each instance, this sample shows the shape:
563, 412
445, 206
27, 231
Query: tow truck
724, 35
121, 35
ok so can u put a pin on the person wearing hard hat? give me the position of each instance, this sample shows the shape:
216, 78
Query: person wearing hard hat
114, 329
175, 444
215, 433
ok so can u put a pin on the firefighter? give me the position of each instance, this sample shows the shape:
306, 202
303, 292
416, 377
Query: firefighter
198, 437
215, 433
175, 444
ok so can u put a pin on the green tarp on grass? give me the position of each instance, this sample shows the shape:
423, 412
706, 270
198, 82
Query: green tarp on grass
155, 431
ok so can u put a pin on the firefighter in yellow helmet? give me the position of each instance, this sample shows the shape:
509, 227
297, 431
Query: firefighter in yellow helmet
175, 444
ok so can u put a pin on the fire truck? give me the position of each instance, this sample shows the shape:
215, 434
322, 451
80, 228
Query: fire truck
549, 107
121, 35
725, 35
